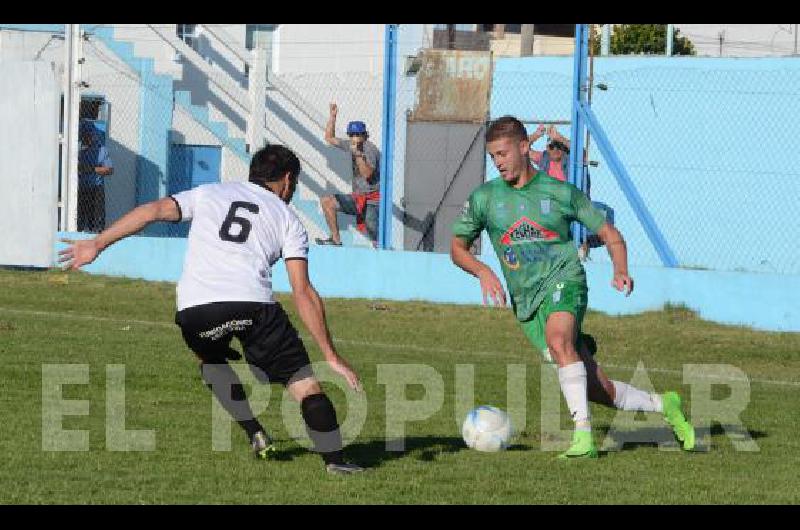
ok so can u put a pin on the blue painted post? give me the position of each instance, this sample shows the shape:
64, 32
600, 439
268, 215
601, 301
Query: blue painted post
626, 184
579, 95
387, 156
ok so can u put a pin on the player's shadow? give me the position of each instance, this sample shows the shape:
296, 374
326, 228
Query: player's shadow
629, 440
373, 453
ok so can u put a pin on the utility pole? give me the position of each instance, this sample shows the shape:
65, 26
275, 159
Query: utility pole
73, 58
605, 40
721, 36
526, 40
670, 31
451, 36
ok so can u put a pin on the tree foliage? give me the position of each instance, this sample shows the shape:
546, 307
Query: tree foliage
642, 39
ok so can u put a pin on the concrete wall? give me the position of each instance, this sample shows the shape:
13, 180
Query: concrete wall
216, 82
29, 107
104, 74
322, 48
364, 273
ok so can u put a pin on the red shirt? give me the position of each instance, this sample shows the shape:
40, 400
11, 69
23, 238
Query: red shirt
554, 170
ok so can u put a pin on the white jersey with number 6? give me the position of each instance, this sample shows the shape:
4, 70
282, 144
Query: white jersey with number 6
239, 230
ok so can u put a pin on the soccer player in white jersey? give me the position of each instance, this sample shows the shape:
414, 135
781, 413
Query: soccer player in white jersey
239, 230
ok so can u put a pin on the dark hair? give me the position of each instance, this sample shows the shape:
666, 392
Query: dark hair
271, 163
506, 127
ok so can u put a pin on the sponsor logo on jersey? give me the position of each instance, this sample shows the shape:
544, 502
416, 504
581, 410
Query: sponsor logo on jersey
557, 292
526, 231
544, 204
510, 259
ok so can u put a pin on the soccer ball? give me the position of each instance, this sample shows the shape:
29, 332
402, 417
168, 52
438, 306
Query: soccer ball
487, 429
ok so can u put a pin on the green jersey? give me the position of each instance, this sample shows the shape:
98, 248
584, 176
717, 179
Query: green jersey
529, 230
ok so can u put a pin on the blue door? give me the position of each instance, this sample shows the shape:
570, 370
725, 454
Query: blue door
189, 167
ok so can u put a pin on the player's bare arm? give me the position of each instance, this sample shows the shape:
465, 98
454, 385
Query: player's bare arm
490, 284
312, 313
615, 243
82, 252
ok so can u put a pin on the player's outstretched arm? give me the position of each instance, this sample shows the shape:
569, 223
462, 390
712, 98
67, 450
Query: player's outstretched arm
84, 251
312, 313
615, 243
490, 284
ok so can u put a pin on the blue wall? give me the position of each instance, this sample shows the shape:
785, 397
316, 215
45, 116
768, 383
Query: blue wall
711, 145
763, 301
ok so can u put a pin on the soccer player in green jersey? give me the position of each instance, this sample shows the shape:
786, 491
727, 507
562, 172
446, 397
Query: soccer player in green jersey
527, 216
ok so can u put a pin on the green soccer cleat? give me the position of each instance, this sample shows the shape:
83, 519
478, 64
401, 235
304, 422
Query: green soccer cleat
673, 415
582, 446
263, 448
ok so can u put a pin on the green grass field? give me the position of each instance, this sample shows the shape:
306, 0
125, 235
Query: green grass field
55, 318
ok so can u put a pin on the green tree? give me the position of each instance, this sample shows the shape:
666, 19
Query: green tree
648, 39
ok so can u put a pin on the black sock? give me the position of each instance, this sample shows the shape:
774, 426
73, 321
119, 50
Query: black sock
322, 427
219, 378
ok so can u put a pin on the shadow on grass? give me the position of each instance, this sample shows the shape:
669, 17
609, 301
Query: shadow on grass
629, 440
373, 453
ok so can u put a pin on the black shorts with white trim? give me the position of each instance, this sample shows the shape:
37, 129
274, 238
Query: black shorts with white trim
269, 340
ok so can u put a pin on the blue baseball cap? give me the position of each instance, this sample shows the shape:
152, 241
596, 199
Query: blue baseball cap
356, 127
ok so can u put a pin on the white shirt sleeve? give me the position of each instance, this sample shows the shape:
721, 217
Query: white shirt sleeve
185, 201
295, 243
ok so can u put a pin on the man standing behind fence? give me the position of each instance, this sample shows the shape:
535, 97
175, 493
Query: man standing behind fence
554, 160
364, 199
94, 165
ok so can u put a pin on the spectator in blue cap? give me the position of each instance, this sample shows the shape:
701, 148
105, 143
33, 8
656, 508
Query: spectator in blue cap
365, 196
94, 165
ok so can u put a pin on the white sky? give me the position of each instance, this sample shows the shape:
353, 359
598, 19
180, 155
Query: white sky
741, 40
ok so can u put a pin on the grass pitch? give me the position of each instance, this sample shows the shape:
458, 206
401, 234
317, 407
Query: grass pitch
49, 318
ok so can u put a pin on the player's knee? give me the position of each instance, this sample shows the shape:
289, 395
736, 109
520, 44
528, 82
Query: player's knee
303, 388
559, 346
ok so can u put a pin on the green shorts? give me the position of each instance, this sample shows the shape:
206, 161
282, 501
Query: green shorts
571, 297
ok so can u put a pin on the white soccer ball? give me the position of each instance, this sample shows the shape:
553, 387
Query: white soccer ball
487, 429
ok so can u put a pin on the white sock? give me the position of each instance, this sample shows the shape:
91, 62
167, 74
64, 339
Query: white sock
627, 397
572, 378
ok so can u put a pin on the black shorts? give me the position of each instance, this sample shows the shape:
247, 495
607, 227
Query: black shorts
269, 340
